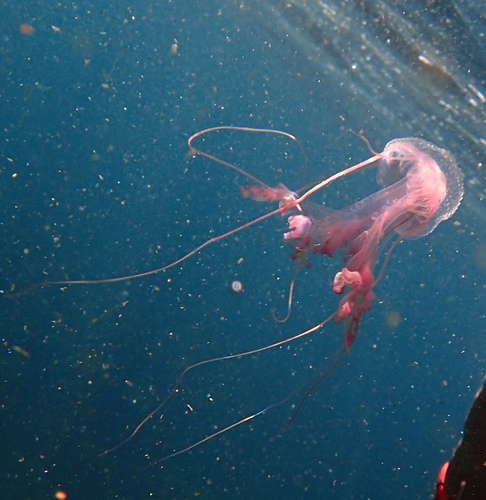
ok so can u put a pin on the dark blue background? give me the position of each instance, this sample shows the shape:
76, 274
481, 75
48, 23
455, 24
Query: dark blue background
95, 182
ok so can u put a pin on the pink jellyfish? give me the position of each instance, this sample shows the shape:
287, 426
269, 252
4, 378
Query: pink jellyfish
421, 186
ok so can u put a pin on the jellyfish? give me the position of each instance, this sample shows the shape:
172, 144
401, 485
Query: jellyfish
421, 185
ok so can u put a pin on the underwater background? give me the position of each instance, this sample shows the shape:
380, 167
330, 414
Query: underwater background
97, 102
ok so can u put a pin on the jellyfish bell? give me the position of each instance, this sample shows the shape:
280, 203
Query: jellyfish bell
433, 183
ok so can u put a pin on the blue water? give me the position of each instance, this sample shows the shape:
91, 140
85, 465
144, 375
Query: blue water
97, 105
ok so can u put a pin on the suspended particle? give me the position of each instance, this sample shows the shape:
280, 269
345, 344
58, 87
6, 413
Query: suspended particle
236, 286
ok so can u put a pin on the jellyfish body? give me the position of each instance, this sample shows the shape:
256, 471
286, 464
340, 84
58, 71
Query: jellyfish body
421, 186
